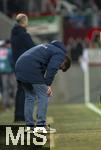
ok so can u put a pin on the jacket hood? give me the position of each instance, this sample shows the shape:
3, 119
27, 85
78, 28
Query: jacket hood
59, 44
17, 29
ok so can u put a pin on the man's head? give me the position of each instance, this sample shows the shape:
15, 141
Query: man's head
22, 20
66, 64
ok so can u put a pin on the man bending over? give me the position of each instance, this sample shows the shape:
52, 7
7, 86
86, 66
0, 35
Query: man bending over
36, 69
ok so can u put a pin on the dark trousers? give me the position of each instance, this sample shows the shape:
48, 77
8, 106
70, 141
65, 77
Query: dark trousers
19, 103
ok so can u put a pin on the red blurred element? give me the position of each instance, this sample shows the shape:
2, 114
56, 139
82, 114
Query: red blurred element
75, 33
84, 33
91, 33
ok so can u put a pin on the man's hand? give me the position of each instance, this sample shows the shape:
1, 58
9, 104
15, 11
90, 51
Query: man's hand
49, 91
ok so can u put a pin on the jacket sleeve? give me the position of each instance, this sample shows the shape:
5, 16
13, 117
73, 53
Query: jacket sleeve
28, 41
53, 67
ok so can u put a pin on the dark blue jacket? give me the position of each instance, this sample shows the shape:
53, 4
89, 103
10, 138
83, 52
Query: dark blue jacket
40, 64
20, 41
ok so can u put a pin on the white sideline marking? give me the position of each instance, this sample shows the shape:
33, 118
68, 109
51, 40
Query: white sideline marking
94, 108
52, 138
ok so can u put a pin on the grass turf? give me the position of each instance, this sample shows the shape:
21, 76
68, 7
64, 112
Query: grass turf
78, 128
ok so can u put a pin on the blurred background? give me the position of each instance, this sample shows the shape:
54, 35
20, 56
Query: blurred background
78, 24
72, 22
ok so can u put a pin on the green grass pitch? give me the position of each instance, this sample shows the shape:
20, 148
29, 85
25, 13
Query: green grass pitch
78, 128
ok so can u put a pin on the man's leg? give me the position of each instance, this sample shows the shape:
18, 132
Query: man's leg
29, 107
5, 90
41, 93
19, 104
